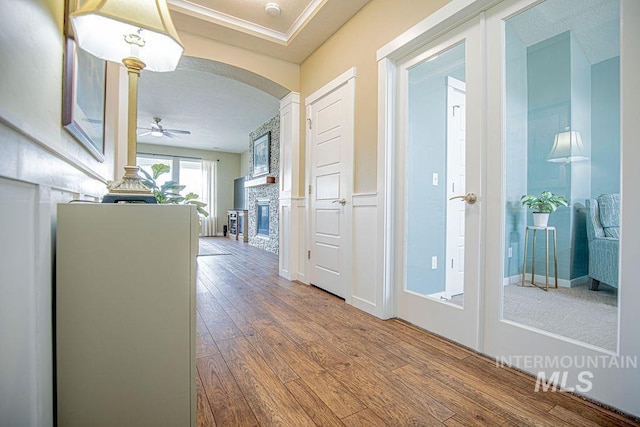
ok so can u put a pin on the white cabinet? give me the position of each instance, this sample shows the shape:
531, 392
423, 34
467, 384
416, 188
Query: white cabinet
125, 315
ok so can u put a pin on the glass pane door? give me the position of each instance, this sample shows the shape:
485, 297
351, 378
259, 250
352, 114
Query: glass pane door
438, 159
559, 308
562, 122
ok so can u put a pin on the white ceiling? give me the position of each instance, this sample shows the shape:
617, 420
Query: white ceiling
594, 24
221, 104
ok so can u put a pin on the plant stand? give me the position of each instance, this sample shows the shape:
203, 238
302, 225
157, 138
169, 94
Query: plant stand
533, 260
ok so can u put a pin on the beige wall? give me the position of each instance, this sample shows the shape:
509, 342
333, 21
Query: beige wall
244, 163
41, 165
31, 82
355, 45
286, 74
228, 170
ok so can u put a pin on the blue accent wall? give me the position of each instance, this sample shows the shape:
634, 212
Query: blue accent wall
552, 87
549, 112
605, 127
516, 126
426, 154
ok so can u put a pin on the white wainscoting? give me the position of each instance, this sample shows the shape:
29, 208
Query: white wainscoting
292, 242
301, 238
33, 180
367, 291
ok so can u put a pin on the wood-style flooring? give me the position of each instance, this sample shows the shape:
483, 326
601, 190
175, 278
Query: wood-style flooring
274, 352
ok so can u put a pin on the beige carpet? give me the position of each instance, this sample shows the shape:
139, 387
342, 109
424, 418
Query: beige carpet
578, 313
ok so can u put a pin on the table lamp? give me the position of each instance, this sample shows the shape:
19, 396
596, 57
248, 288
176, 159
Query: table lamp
140, 35
567, 147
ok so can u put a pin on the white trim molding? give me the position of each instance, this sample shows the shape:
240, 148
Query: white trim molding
211, 15
367, 282
290, 217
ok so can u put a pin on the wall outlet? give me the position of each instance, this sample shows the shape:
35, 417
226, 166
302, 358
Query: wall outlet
435, 179
434, 262
510, 252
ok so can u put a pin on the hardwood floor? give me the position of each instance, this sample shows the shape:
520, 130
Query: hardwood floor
274, 352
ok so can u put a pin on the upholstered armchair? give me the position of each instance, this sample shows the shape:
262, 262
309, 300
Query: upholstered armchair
603, 234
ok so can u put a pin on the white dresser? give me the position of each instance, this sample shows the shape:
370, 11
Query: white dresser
125, 315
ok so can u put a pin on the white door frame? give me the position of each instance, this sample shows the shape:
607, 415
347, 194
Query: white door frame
622, 386
347, 78
454, 208
453, 14
461, 323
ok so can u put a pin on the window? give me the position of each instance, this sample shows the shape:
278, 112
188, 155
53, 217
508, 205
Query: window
145, 163
190, 174
187, 172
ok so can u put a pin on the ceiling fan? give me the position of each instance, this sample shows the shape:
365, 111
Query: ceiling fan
157, 130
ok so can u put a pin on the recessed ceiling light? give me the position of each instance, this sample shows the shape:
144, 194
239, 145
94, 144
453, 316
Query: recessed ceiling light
272, 9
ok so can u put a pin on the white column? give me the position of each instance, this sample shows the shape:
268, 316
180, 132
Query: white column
290, 222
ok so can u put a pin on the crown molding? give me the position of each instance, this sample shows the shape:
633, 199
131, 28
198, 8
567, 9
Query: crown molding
210, 15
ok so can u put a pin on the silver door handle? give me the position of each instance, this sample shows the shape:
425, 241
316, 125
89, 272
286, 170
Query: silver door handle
341, 201
470, 198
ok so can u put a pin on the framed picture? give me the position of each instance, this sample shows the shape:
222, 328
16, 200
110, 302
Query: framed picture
83, 93
261, 154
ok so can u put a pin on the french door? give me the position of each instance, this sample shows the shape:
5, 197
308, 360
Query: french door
439, 194
547, 75
526, 71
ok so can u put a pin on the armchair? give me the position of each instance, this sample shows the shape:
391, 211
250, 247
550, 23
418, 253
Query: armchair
603, 234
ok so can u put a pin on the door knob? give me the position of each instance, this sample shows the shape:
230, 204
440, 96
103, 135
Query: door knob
470, 198
341, 201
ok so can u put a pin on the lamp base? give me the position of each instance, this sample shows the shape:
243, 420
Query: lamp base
129, 189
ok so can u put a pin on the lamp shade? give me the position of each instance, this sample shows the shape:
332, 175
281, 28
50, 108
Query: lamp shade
105, 28
567, 147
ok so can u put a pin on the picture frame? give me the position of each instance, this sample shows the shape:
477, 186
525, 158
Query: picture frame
261, 154
83, 93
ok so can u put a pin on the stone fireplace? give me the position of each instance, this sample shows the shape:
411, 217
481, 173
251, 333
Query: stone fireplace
263, 198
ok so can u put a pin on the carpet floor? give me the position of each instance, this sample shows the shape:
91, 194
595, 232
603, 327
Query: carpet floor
577, 313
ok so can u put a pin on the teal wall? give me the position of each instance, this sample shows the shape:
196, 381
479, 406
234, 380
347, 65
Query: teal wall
549, 112
426, 154
516, 113
551, 87
605, 127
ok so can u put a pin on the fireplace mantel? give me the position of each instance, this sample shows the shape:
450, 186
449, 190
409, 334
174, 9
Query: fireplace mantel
263, 180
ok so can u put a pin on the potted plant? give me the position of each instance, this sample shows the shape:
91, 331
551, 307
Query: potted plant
542, 206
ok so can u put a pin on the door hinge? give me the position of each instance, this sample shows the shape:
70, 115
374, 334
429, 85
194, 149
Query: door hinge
308, 254
309, 189
309, 121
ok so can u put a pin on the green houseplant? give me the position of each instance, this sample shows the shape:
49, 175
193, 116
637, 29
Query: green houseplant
542, 206
169, 192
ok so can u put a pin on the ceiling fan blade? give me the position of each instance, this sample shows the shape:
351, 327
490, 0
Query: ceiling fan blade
182, 132
144, 133
169, 134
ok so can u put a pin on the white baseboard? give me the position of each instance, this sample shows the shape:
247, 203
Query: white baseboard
540, 279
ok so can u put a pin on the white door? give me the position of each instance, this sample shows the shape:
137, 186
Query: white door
437, 158
330, 160
540, 69
545, 73
456, 184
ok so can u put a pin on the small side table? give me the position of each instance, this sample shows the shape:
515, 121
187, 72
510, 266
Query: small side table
533, 260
